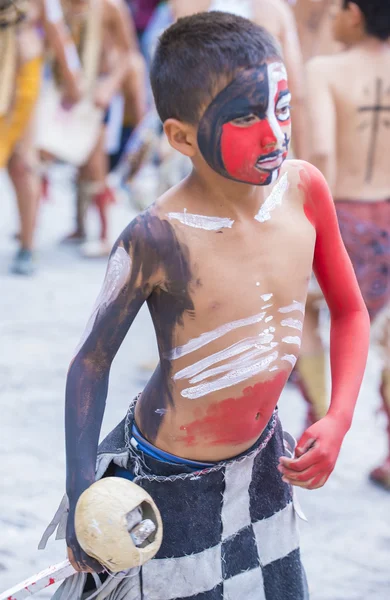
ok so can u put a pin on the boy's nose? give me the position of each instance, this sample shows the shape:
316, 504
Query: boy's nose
272, 136
269, 141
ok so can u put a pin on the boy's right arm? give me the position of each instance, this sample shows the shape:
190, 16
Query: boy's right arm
132, 273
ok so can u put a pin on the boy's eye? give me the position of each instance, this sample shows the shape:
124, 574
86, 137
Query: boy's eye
246, 121
283, 108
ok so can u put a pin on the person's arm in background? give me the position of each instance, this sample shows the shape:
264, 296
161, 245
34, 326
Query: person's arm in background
293, 60
61, 43
135, 81
321, 115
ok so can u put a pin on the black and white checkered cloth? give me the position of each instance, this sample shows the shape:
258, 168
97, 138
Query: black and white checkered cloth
230, 532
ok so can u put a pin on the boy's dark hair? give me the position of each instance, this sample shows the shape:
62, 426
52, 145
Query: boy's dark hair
377, 16
196, 52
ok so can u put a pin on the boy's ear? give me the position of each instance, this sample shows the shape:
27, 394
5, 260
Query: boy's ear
181, 136
355, 15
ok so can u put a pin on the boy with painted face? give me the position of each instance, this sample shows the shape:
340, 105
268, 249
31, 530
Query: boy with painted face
223, 262
349, 107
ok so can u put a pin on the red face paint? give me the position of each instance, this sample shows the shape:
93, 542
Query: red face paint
252, 144
236, 421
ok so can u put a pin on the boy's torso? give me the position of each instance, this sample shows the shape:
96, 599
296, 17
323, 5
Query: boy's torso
360, 86
233, 348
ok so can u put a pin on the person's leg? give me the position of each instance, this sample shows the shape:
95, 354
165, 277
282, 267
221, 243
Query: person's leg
96, 189
310, 370
22, 169
381, 474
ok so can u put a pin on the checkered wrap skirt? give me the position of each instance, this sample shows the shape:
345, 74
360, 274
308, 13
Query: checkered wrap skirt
230, 531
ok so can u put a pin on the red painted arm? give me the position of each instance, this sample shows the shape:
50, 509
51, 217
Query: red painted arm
349, 339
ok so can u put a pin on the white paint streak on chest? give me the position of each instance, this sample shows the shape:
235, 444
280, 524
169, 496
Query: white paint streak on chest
201, 222
210, 336
266, 297
230, 379
117, 275
291, 339
293, 323
299, 306
247, 358
274, 199
291, 358
256, 341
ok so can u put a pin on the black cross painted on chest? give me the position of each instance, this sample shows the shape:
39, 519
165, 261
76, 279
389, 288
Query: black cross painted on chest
376, 110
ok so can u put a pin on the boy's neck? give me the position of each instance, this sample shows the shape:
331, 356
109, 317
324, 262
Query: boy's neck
225, 196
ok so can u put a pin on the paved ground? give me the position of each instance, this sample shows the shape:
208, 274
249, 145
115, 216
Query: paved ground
346, 544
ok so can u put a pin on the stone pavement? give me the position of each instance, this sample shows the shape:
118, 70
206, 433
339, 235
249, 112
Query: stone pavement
346, 543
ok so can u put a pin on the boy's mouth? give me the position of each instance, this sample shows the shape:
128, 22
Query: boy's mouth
271, 161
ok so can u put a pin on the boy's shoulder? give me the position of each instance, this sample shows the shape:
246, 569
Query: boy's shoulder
306, 177
296, 169
152, 227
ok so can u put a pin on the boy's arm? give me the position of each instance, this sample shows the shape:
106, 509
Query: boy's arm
293, 60
321, 118
60, 41
319, 446
125, 288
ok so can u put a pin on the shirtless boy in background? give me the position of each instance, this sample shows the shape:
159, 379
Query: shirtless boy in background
223, 261
349, 108
21, 49
314, 27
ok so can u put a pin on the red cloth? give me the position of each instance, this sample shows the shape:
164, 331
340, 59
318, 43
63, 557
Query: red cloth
365, 229
142, 11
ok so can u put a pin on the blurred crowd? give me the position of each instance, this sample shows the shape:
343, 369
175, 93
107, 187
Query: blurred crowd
74, 90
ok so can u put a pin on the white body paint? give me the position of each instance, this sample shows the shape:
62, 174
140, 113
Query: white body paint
234, 350
291, 339
293, 307
201, 222
293, 323
266, 306
274, 199
210, 336
239, 361
266, 297
117, 275
248, 358
233, 378
291, 358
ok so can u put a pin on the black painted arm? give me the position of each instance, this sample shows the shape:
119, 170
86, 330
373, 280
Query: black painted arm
130, 278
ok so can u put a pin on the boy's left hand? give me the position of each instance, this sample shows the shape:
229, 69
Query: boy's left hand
316, 455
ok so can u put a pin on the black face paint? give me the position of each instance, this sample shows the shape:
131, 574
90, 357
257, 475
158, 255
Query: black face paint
242, 134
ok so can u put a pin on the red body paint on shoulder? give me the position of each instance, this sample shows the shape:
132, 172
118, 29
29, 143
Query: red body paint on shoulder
236, 421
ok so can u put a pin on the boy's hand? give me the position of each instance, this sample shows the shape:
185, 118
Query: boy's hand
79, 560
316, 455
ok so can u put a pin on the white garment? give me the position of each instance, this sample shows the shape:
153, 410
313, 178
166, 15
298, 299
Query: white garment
242, 8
